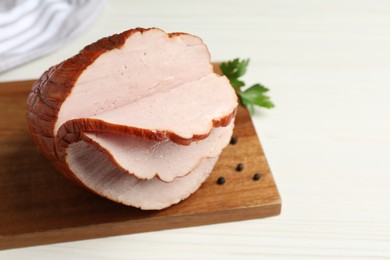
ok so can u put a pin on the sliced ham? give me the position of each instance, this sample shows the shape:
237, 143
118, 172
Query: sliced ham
148, 62
133, 116
165, 160
99, 174
183, 114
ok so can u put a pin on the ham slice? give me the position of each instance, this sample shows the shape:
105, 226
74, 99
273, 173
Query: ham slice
99, 174
148, 159
176, 114
133, 116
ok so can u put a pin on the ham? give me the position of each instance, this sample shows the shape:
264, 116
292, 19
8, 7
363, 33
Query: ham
138, 117
151, 159
99, 174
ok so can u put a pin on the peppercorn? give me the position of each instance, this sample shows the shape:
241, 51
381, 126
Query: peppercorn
221, 181
234, 139
240, 167
256, 177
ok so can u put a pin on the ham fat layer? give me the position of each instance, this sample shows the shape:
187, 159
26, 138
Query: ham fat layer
137, 117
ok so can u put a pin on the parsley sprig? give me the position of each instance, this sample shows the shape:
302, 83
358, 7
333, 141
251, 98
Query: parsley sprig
252, 96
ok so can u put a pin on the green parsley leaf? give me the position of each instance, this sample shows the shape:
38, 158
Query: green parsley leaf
252, 96
234, 68
255, 95
236, 84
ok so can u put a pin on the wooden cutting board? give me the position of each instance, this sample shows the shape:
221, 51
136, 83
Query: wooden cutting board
39, 206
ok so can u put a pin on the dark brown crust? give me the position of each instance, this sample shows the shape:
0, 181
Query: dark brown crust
55, 85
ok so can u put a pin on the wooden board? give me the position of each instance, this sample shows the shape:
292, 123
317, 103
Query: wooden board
39, 206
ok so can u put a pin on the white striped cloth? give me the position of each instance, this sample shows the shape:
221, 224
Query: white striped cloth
33, 28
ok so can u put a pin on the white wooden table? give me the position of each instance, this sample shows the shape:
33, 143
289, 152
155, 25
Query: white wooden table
327, 64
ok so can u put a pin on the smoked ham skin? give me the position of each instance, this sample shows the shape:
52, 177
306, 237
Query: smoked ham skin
55, 85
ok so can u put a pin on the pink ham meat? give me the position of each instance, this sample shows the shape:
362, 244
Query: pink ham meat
138, 117
101, 175
147, 159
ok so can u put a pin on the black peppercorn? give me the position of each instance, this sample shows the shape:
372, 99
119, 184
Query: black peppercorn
221, 181
240, 167
234, 139
256, 177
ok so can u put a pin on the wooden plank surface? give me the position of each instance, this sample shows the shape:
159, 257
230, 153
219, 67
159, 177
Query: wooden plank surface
39, 206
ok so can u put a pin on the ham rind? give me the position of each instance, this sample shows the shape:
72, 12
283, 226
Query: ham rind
99, 174
165, 160
121, 116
